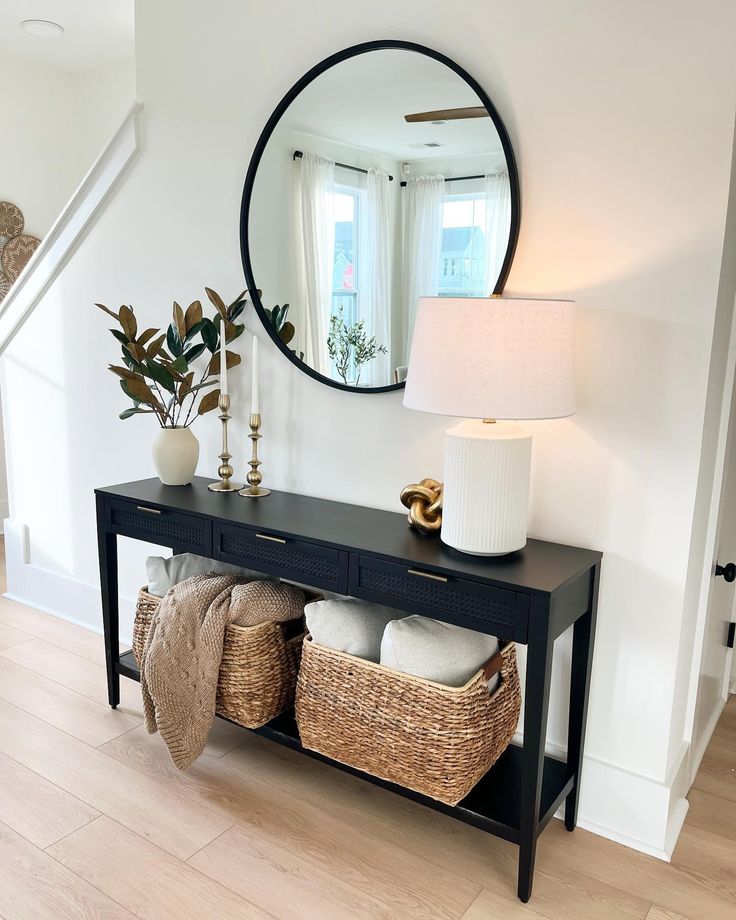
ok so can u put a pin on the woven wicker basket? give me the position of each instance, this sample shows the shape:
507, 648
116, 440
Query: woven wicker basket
258, 670
424, 736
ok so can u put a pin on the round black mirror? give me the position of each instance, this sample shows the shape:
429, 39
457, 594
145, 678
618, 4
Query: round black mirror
383, 175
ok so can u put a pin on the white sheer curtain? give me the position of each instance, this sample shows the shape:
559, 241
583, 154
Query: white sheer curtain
374, 284
422, 244
314, 210
498, 225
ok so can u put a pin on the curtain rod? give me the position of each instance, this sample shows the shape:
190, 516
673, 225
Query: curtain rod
298, 154
456, 179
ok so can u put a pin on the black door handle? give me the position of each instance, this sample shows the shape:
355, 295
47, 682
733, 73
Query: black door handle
728, 571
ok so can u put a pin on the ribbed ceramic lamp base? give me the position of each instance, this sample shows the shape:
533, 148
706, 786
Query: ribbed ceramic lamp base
486, 490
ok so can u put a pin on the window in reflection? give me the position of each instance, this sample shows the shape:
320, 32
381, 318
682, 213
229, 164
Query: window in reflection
463, 257
345, 291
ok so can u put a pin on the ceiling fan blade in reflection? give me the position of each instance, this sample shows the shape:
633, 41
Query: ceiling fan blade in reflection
474, 111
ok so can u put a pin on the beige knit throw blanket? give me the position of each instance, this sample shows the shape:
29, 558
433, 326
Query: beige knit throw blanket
183, 651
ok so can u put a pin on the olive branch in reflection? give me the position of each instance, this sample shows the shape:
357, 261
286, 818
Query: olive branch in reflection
350, 346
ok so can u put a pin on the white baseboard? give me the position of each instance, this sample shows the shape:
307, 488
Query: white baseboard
635, 810
52, 592
629, 808
4, 512
699, 752
664, 853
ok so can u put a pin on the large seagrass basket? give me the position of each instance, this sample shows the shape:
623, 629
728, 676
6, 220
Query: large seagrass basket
424, 736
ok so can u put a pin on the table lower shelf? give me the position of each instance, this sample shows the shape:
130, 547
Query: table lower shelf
494, 804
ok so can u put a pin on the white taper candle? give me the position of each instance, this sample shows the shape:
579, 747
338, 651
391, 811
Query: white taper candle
255, 408
223, 361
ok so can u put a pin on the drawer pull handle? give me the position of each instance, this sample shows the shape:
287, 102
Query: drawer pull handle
267, 536
431, 575
148, 510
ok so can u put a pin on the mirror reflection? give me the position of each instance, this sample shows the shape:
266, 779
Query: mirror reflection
383, 181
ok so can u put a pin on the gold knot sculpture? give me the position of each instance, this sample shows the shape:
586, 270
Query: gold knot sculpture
424, 501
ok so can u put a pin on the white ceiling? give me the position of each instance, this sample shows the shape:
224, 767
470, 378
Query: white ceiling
362, 102
96, 32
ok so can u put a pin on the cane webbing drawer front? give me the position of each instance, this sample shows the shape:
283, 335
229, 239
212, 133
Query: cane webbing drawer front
457, 600
283, 556
169, 528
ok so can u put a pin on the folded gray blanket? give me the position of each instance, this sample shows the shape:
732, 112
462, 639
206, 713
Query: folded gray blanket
163, 574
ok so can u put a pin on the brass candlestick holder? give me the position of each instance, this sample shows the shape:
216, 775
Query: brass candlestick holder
254, 478
225, 470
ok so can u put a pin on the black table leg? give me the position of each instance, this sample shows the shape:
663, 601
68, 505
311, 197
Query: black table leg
108, 553
582, 662
536, 704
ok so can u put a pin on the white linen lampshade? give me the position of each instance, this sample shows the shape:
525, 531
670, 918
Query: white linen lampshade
489, 359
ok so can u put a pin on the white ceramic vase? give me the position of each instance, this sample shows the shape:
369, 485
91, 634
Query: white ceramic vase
175, 456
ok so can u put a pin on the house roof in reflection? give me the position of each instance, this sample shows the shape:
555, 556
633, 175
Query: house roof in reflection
458, 239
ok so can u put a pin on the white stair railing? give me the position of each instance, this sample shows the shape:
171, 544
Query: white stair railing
62, 239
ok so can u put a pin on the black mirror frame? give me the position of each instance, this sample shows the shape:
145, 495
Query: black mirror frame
265, 136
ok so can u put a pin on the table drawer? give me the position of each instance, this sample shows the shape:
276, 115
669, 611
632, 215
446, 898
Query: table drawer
455, 600
182, 532
295, 560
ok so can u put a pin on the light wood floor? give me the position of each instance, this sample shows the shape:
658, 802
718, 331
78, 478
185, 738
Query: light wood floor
95, 823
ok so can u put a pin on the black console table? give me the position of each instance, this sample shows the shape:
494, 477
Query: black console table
530, 597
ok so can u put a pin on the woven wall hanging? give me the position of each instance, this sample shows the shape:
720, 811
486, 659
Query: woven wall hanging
16, 253
11, 220
16, 247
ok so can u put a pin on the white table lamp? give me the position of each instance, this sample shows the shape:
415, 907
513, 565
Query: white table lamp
488, 359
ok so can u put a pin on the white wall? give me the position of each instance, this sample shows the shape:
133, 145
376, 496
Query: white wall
622, 120
711, 534
37, 167
37, 159
102, 97
4, 503
53, 126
